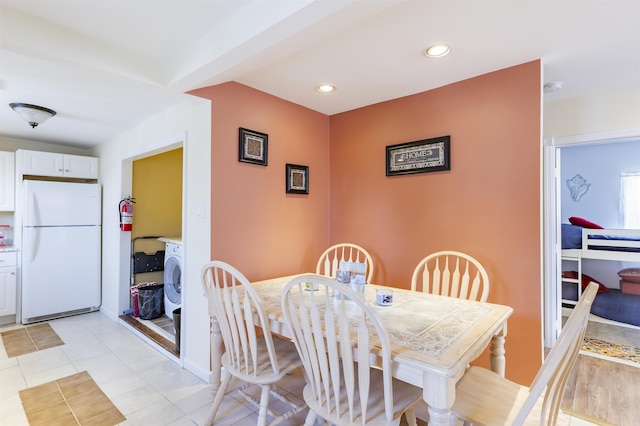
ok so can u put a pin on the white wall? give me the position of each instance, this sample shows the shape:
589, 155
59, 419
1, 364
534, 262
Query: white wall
610, 115
13, 144
187, 124
578, 123
607, 112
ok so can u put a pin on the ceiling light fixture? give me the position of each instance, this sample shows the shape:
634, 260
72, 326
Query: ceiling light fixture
552, 87
437, 50
32, 114
325, 88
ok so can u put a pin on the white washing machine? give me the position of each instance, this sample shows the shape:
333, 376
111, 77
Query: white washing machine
172, 277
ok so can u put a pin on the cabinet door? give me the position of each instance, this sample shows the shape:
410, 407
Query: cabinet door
7, 181
78, 166
7, 291
43, 163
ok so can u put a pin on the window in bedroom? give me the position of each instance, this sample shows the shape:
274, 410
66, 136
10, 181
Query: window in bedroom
630, 200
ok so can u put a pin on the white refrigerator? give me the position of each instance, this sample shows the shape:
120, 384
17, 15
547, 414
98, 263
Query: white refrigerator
61, 231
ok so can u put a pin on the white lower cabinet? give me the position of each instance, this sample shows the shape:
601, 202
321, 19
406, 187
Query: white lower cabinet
8, 283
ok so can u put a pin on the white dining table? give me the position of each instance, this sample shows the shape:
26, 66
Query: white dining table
433, 338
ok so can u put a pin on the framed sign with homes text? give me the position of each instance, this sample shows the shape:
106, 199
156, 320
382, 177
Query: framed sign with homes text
428, 155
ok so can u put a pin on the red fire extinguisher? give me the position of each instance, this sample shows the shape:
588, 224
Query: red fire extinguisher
126, 213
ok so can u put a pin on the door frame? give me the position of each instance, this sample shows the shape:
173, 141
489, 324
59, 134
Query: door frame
551, 221
157, 147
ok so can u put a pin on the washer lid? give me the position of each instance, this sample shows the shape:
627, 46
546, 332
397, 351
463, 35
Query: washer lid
171, 240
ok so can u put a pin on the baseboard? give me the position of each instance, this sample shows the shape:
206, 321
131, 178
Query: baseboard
194, 369
109, 313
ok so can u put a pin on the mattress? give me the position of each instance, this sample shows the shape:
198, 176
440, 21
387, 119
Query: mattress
612, 305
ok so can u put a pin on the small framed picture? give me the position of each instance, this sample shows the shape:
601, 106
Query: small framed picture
253, 147
297, 179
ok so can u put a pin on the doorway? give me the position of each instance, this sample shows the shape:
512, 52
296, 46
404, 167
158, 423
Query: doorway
552, 187
157, 181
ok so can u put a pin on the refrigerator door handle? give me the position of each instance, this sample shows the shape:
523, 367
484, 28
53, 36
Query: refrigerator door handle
32, 243
30, 211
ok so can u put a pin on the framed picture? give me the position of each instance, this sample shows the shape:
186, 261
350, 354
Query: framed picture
428, 155
253, 147
297, 179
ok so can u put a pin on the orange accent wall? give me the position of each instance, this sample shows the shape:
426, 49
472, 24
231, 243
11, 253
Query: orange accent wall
487, 205
255, 225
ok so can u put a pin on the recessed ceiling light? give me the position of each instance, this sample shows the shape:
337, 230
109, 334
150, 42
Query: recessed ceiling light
437, 50
325, 88
552, 87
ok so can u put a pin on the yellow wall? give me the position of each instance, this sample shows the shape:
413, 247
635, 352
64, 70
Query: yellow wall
157, 189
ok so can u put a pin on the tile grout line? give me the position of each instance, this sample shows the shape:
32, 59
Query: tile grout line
67, 402
31, 339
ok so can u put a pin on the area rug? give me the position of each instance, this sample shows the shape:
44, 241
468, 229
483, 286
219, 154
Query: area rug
73, 400
612, 350
25, 340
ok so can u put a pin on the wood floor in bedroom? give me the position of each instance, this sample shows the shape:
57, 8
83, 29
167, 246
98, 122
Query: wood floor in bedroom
603, 391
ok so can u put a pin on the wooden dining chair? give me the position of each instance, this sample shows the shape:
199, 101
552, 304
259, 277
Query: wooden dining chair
346, 356
453, 274
329, 261
251, 354
486, 398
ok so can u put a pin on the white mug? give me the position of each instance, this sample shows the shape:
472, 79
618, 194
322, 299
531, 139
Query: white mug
384, 297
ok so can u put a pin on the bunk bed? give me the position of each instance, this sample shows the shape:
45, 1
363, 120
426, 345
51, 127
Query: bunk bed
579, 243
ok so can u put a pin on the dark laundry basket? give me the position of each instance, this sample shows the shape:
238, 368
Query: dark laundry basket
151, 301
176, 324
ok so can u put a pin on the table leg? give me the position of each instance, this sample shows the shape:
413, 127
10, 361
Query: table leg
439, 393
497, 352
215, 353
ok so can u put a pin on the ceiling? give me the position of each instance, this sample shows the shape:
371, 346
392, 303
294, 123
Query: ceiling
105, 65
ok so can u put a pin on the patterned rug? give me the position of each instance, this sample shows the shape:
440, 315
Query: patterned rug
613, 350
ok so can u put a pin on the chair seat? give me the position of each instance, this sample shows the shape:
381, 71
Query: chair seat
404, 395
251, 353
486, 398
288, 360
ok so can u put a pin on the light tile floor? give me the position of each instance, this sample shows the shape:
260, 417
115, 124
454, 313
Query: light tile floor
146, 386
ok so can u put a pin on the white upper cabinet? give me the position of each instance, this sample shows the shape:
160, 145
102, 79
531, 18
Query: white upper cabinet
7, 181
63, 165
78, 166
